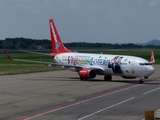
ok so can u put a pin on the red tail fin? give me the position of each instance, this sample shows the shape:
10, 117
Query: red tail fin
57, 45
152, 57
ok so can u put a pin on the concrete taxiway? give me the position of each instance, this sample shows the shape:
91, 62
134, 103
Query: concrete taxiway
26, 94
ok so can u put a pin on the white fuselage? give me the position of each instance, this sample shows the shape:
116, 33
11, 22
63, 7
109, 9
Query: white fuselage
122, 65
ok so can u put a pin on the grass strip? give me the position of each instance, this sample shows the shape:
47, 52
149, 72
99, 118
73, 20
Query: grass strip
11, 69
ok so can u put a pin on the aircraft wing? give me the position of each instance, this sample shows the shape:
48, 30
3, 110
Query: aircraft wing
9, 57
37, 53
51, 63
96, 67
76, 66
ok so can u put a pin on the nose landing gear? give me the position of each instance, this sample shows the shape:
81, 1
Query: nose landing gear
141, 80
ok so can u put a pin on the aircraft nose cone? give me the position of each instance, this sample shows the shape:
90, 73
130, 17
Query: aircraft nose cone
150, 70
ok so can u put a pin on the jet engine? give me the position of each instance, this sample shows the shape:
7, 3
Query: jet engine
86, 73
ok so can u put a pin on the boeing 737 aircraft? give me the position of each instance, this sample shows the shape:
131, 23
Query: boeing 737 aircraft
90, 65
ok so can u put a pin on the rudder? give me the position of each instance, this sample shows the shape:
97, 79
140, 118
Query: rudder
57, 45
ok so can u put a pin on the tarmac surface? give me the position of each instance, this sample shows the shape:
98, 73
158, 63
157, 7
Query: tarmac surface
25, 94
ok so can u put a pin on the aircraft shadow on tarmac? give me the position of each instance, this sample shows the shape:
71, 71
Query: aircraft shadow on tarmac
152, 83
100, 80
137, 81
121, 81
89, 80
54, 79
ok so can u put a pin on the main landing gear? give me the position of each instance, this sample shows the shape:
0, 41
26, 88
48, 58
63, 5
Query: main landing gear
83, 79
107, 77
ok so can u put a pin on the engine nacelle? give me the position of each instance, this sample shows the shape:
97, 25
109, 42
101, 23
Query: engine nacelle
86, 73
127, 77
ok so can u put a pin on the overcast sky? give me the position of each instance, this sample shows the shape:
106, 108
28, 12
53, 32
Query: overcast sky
105, 21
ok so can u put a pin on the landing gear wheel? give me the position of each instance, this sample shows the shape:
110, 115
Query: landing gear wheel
141, 81
81, 78
107, 77
86, 79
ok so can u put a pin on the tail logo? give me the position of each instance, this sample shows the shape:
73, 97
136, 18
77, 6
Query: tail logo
152, 60
55, 37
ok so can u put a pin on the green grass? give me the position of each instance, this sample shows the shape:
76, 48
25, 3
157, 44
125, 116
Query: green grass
10, 69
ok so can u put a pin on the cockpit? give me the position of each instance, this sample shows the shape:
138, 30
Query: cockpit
142, 64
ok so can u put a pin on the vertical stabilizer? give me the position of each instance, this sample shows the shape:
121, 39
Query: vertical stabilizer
57, 45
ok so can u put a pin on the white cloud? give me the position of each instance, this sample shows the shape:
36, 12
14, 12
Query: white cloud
141, 1
153, 3
73, 4
94, 7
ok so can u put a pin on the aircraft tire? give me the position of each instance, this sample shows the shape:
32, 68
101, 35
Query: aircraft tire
107, 77
141, 81
81, 78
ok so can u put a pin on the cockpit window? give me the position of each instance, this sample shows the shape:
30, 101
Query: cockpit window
148, 64
145, 64
141, 64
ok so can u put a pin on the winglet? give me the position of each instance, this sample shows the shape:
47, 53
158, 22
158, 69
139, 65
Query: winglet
152, 60
7, 53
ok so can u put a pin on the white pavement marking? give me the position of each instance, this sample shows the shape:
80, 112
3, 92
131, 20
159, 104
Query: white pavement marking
43, 113
151, 91
71, 100
76, 103
106, 108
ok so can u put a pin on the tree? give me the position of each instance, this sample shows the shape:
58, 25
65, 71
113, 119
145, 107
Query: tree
22, 45
1, 44
32, 46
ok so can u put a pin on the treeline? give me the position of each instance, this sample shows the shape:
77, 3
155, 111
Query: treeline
26, 43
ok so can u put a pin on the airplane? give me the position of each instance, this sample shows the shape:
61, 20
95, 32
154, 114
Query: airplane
89, 66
